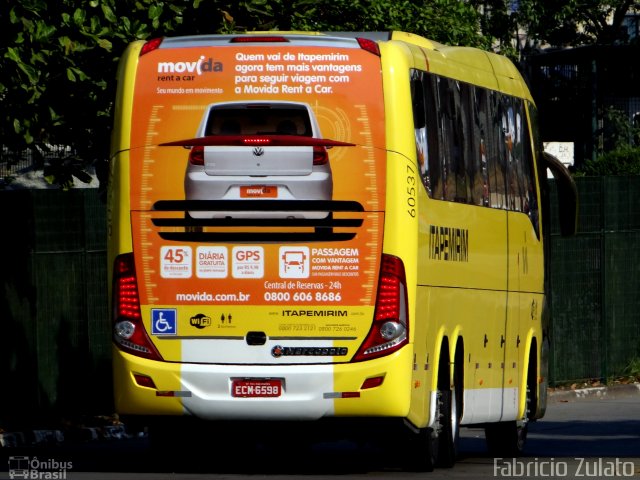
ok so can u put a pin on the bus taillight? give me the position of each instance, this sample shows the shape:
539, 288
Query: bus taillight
369, 45
150, 46
128, 330
390, 329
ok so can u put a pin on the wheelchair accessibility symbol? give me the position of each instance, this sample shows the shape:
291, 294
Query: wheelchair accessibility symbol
164, 321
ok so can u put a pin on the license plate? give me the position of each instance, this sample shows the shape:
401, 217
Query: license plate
256, 388
258, 191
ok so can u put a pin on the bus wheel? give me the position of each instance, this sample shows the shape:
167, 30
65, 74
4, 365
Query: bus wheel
450, 426
421, 450
506, 439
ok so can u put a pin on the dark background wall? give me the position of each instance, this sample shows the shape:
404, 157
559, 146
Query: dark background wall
55, 345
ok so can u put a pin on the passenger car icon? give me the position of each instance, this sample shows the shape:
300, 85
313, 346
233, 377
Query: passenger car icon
294, 260
259, 150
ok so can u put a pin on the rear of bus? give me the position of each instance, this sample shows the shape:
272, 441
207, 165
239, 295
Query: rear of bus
244, 286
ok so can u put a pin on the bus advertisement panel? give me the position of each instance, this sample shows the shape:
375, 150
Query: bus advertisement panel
250, 95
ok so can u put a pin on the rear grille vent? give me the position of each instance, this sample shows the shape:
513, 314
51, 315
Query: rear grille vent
232, 221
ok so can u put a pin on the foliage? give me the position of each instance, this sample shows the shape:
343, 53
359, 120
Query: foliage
633, 368
624, 160
58, 69
575, 22
447, 21
619, 131
57, 79
619, 151
499, 22
522, 25
59, 59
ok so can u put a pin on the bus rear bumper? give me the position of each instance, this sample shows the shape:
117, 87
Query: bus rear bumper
309, 392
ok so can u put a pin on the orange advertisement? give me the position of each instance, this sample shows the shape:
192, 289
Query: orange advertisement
298, 128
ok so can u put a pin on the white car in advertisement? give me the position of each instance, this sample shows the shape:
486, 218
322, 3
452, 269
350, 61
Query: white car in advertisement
259, 150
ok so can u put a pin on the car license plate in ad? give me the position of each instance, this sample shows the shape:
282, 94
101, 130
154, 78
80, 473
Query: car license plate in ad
256, 388
258, 191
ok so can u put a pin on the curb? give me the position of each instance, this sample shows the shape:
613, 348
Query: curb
613, 391
48, 438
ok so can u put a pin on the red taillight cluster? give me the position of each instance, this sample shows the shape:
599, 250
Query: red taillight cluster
390, 329
128, 330
196, 156
128, 304
320, 156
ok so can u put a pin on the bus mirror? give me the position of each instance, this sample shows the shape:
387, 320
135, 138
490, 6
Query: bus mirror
567, 195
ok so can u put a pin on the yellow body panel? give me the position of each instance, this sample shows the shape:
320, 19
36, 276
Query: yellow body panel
131, 398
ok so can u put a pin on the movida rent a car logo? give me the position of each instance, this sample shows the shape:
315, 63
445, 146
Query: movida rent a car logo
198, 67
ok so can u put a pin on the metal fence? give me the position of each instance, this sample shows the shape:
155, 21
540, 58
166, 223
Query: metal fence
55, 355
16, 162
55, 347
596, 283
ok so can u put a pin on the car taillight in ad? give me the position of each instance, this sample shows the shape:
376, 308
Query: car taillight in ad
128, 330
196, 156
320, 156
390, 329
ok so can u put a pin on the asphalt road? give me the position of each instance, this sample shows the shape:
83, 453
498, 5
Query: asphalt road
594, 436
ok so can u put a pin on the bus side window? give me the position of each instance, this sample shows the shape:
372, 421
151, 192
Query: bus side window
480, 127
420, 127
433, 136
427, 133
446, 113
497, 158
459, 157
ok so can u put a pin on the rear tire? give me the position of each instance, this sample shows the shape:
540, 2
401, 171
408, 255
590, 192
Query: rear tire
421, 450
506, 439
449, 433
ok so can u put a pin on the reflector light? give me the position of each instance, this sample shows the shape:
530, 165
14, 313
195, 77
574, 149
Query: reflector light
144, 381
173, 393
150, 46
350, 395
372, 382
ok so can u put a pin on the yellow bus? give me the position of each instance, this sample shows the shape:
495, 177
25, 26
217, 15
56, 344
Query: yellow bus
349, 225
